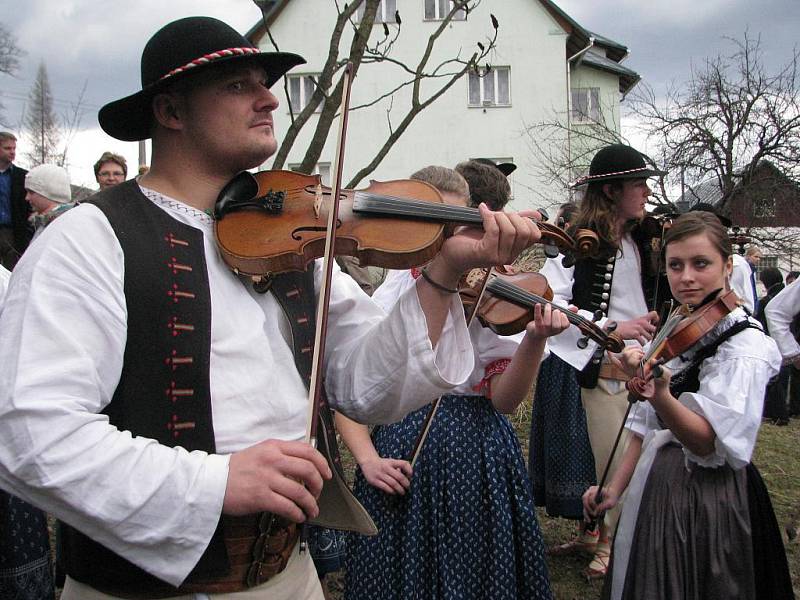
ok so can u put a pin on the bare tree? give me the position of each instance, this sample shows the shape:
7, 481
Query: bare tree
326, 98
41, 123
729, 116
9, 58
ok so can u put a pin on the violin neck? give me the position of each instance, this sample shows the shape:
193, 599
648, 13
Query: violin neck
508, 291
391, 206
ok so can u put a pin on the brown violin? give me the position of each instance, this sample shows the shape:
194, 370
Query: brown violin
684, 328
274, 221
507, 306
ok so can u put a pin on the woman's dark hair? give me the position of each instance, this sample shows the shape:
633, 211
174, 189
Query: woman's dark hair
770, 276
698, 223
486, 184
597, 211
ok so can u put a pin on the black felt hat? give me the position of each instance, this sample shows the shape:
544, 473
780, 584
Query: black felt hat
176, 51
617, 161
505, 168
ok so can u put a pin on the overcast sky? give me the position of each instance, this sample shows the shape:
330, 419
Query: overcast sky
99, 44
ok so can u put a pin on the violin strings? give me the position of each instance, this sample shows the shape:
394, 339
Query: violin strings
367, 202
511, 292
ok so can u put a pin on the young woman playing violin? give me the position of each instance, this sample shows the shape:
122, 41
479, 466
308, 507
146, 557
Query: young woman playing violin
695, 505
461, 523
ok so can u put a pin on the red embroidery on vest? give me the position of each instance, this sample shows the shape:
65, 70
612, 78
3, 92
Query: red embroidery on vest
173, 241
176, 266
176, 426
177, 294
178, 327
176, 392
175, 361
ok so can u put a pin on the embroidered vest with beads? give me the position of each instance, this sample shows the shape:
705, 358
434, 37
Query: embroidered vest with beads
164, 391
591, 289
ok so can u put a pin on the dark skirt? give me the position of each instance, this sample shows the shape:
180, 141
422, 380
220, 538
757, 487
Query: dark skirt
25, 567
560, 460
327, 549
702, 534
467, 527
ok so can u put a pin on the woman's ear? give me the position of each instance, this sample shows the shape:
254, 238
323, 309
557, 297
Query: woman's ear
608, 191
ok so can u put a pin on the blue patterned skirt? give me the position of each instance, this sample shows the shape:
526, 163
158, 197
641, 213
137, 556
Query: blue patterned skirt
560, 460
25, 571
467, 527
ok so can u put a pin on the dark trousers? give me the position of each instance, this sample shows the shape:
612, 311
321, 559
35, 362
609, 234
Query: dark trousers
775, 399
794, 391
8, 252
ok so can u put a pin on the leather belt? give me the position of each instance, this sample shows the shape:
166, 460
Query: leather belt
259, 547
611, 371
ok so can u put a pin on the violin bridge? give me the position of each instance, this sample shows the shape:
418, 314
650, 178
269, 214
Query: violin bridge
318, 200
475, 276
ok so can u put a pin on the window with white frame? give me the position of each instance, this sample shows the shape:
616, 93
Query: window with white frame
585, 105
386, 11
322, 169
301, 88
437, 10
490, 86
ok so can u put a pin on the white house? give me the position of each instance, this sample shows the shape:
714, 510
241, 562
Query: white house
544, 66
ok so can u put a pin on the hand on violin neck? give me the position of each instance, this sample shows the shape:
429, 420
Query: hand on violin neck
546, 323
503, 236
629, 360
640, 329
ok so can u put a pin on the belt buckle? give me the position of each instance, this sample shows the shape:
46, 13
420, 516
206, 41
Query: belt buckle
254, 573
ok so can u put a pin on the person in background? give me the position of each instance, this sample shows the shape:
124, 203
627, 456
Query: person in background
753, 257
697, 520
560, 460
49, 193
783, 317
15, 231
461, 523
794, 372
619, 284
110, 170
775, 400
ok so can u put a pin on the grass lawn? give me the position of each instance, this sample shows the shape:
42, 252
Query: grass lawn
777, 457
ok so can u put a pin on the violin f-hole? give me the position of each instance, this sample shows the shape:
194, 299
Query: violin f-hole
297, 234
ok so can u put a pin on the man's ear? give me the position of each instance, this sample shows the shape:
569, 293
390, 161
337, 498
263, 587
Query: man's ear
167, 110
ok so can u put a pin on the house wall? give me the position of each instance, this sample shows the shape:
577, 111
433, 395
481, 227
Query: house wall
530, 42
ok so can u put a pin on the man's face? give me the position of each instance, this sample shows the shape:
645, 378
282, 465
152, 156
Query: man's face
754, 258
229, 116
39, 203
632, 199
110, 174
8, 151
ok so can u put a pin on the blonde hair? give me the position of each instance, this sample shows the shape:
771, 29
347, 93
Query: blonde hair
444, 180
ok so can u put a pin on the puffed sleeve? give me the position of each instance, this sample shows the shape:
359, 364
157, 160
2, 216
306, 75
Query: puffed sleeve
780, 312
731, 396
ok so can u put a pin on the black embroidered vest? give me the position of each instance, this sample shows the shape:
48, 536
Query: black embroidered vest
164, 391
591, 289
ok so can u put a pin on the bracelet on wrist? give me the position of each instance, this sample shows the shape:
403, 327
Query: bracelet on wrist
426, 276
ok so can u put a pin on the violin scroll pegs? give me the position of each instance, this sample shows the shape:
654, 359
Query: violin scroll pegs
583, 342
597, 315
611, 326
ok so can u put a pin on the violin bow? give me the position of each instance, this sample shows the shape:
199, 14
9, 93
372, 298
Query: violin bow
317, 371
675, 317
434, 407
